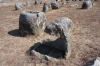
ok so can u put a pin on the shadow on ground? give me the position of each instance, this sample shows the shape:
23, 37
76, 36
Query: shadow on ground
46, 49
79, 9
14, 10
15, 33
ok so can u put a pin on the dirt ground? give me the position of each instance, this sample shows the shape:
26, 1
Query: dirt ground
85, 35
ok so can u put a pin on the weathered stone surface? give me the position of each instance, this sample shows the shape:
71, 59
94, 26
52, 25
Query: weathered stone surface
63, 2
59, 48
41, 2
36, 2
64, 23
45, 7
87, 4
54, 4
31, 22
43, 57
18, 6
61, 26
1, 0
97, 62
74, 5
28, 4
51, 49
94, 62
49, 5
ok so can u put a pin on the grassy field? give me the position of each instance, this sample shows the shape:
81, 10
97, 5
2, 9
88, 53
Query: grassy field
85, 35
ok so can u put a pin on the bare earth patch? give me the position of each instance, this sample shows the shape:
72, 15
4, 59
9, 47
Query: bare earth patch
85, 36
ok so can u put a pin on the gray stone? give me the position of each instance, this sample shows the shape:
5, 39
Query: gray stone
74, 5
28, 4
31, 22
49, 5
18, 6
55, 4
61, 26
36, 2
57, 48
63, 2
87, 4
43, 57
97, 62
64, 23
41, 2
1, 0
94, 62
45, 7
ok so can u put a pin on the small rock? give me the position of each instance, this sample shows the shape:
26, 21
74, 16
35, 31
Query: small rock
63, 2
18, 6
87, 4
28, 4
36, 2
94, 62
55, 4
45, 7
41, 2
97, 62
74, 5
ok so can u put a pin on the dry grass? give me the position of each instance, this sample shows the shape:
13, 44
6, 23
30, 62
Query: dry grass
85, 36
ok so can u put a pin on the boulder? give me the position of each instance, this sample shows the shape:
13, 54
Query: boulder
36, 2
18, 6
62, 27
28, 4
31, 22
49, 5
87, 4
45, 7
41, 2
64, 23
63, 2
55, 4
52, 49
43, 57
